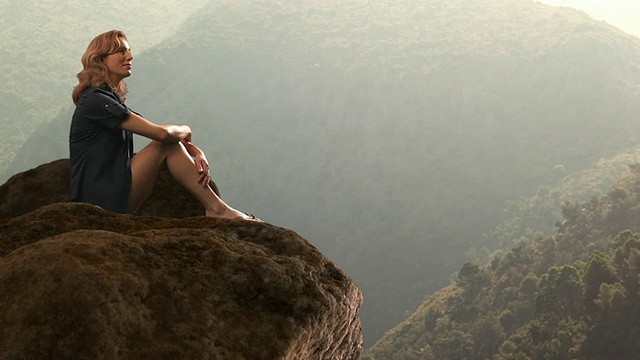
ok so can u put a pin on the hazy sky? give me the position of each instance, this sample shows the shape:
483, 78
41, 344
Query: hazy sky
623, 14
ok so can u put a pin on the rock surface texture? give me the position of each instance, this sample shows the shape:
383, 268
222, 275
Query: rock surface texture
77, 282
49, 183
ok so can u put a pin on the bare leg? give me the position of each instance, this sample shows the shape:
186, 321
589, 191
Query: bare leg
146, 165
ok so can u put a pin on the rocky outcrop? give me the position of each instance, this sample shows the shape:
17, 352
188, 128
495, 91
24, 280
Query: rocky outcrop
49, 183
77, 282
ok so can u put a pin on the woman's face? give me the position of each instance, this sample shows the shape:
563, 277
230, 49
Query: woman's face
119, 63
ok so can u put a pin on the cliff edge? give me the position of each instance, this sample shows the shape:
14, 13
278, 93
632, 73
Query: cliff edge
80, 282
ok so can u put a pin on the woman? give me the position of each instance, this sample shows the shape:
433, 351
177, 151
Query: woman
104, 171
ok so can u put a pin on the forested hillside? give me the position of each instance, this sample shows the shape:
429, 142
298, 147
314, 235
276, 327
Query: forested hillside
529, 217
388, 134
570, 295
42, 42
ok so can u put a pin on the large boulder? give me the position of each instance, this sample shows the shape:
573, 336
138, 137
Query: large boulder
78, 282
49, 183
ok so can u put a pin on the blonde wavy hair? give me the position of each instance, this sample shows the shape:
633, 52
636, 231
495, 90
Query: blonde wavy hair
94, 72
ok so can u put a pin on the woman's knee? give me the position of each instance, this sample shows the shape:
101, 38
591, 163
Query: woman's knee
159, 147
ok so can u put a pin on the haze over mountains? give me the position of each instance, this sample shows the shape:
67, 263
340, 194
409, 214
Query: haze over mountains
389, 135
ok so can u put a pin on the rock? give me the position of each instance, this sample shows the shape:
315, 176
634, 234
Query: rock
49, 184
77, 282
27, 191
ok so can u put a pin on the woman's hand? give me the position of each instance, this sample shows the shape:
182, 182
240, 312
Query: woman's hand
201, 163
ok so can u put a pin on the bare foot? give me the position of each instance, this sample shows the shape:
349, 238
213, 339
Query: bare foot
232, 214
250, 217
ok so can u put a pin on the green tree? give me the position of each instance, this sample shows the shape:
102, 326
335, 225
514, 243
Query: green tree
614, 327
600, 270
559, 293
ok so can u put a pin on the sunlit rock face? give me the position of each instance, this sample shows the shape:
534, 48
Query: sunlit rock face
49, 183
77, 282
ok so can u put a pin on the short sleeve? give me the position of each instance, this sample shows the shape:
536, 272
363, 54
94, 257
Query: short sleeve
118, 110
103, 107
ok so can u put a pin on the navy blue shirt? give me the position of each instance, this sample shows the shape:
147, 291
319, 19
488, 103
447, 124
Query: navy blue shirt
99, 152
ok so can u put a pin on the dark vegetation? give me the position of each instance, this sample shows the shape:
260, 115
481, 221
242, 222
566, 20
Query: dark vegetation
391, 134
570, 295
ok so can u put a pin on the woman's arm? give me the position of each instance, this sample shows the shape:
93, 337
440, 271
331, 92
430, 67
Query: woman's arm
162, 133
170, 134
192, 149
202, 165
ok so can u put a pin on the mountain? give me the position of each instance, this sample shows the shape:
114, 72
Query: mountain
43, 42
533, 216
389, 135
573, 294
